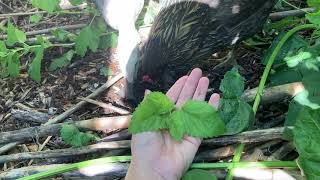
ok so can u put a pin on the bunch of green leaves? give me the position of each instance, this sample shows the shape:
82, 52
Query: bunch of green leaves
71, 135
195, 174
236, 113
194, 118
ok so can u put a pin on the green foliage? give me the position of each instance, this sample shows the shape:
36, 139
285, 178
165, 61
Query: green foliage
236, 114
314, 18
76, 2
306, 140
197, 174
232, 85
196, 119
63, 61
109, 41
284, 23
47, 5
62, 35
35, 66
35, 18
15, 35
314, 3
13, 63
157, 111
105, 71
71, 135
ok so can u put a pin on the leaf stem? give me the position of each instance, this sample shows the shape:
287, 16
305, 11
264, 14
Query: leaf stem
123, 159
273, 57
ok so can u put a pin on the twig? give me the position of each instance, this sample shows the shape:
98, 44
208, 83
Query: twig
76, 107
274, 94
96, 124
104, 146
80, 104
299, 12
102, 171
247, 137
46, 31
106, 106
282, 151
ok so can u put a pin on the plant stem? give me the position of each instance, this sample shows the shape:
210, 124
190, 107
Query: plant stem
115, 159
236, 158
273, 57
232, 165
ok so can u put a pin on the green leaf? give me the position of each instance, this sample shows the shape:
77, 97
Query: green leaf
291, 119
76, 2
71, 135
314, 18
198, 174
47, 5
284, 23
151, 114
35, 67
87, 39
306, 140
61, 62
314, 3
109, 41
13, 64
35, 18
15, 35
3, 49
196, 119
105, 71
232, 85
236, 114
60, 34
290, 48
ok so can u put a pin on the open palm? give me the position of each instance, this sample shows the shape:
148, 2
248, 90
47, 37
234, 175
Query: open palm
157, 154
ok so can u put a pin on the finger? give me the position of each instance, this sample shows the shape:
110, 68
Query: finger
214, 100
175, 90
201, 90
189, 87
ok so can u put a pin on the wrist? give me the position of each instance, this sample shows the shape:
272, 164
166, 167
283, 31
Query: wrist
136, 172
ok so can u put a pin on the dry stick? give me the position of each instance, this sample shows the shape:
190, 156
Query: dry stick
282, 151
280, 15
96, 124
76, 107
106, 106
66, 152
274, 94
46, 31
245, 137
104, 171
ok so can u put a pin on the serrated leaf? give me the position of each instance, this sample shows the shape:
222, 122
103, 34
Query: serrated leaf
232, 85
71, 135
61, 62
151, 114
47, 5
201, 120
60, 34
105, 71
305, 98
314, 3
35, 67
13, 64
236, 114
109, 41
291, 47
76, 2
35, 18
198, 174
87, 39
314, 18
306, 140
15, 35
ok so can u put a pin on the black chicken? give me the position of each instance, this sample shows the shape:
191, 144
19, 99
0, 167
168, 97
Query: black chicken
186, 33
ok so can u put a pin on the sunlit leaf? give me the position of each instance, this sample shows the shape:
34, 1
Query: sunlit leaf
47, 5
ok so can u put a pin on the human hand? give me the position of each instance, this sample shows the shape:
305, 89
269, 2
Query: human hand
156, 155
